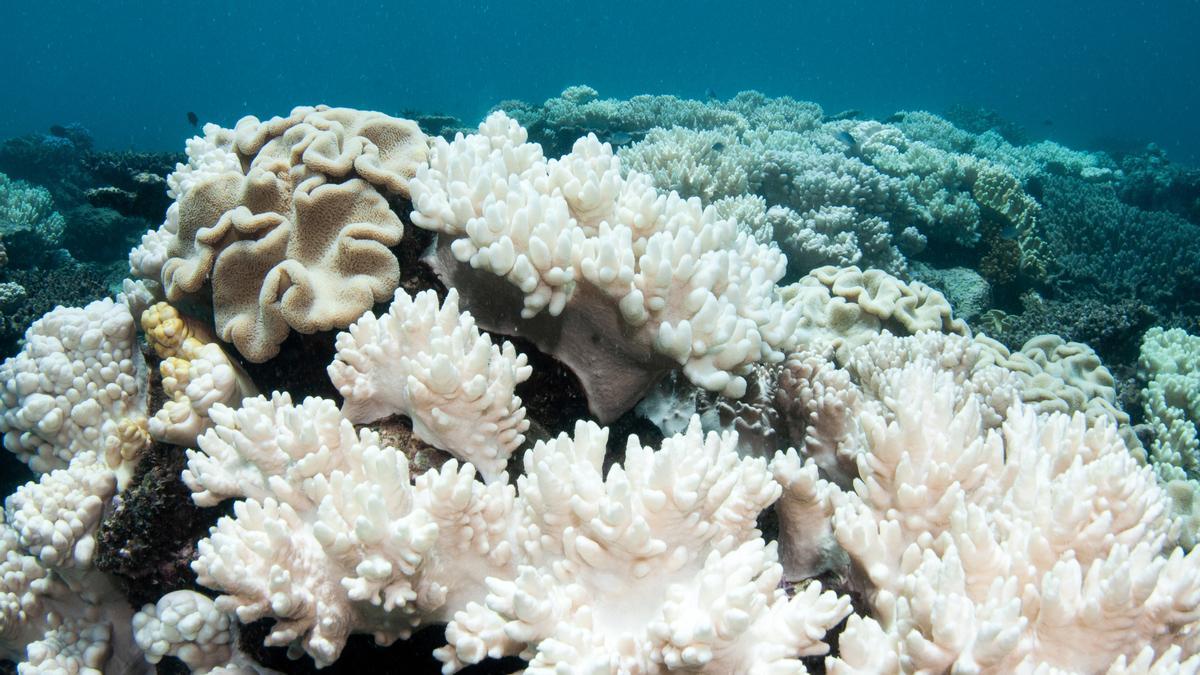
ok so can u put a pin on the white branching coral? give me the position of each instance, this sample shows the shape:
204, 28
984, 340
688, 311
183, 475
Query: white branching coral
432, 364
1043, 543
352, 544
657, 566
1170, 364
597, 258
74, 387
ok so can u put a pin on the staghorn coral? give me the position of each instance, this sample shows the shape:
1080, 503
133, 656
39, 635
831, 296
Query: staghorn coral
286, 222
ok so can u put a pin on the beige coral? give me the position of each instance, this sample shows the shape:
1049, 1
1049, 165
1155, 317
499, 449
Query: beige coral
844, 307
295, 237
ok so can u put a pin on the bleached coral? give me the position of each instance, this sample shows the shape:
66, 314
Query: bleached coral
1170, 365
11, 295
875, 177
830, 235
750, 213
286, 221
835, 235
24, 585
71, 388
1061, 376
949, 524
844, 307
188, 626
353, 546
56, 518
709, 164
656, 567
57, 613
1023, 161
610, 260
579, 110
433, 365
28, 218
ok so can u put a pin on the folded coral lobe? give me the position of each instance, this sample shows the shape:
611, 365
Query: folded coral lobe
287, 223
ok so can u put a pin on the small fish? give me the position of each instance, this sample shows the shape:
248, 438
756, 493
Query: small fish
192, 119
718, 146
1009, 232
710, 94
58, 130
618, 138
1047, 123
851, 144
846, 115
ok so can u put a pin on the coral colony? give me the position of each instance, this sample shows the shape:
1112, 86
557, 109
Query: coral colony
672, 388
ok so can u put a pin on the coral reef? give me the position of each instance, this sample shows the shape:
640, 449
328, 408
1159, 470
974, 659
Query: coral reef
32, 230
71, 389
1152, 182
811, 462
1102, 248
599, 258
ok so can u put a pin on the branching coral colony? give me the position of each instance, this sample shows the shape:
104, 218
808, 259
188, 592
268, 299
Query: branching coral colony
982, 505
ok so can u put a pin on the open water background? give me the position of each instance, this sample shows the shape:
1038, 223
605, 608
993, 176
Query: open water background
1102, 74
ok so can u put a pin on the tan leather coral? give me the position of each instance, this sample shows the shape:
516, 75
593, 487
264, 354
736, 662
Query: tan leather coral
289, 222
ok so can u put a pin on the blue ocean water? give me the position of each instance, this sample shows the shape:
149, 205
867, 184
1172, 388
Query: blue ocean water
1112, 74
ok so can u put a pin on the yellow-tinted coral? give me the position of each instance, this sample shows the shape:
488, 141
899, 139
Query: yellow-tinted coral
171, 333
127, 441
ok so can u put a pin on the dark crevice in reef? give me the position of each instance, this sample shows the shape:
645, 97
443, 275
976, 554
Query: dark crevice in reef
413, 656
415, 275
299, 368
13, 473
148, 541
552, 395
